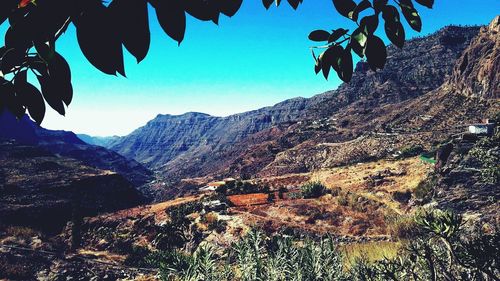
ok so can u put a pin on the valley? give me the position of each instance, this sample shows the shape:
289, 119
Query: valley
379, 168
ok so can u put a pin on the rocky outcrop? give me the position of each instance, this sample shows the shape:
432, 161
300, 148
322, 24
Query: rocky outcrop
371, 128
374, 116
167, 138
67, 144
477, 73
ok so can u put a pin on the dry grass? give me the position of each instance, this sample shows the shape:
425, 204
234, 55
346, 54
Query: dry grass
102, 256
21, 232
353, 178
371, 251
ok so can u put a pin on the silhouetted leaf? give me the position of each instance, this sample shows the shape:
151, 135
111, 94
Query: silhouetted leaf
172, 18
47, 17
317, 67
6, 8
19, 35
427, 3
267, 3
202, 10
229, 7
369, 24
44, 51
319, 35
335, 57
336, 34
294, 3
12, 102
30, 97
393, 27
317, 63
99, 41
344, 7
60, 74
329, 59
358, 41
50, 94
411, 15
379, 5
363, 5
131, 18
10, 59
376, 53
345, 65
56, 88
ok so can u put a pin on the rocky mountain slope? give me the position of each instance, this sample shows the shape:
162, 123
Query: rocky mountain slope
384, 119
67, 144
197, 135
39, 189
284, 138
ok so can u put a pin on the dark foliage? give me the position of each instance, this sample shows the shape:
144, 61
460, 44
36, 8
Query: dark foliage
362, 40
103, 30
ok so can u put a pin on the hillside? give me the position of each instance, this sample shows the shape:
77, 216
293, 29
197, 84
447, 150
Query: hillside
198, 135
39, 189
289, 136
67, 144
384, 168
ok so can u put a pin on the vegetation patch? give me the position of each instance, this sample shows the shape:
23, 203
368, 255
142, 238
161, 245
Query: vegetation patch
313, 189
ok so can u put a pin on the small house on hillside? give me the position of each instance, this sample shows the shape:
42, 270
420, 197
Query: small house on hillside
485, 128
215, 205
208, 189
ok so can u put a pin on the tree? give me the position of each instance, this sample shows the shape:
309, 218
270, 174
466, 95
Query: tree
102, 30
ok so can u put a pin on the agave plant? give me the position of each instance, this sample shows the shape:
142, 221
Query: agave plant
442, 223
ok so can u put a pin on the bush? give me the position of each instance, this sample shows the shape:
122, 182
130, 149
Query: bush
402, 196
487, 153
313, 189
137, 256
425, 189
12, 270
410, 151
244, 187
434, 253
402, 226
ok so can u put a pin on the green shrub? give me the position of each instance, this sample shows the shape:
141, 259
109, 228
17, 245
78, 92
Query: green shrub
402, 226
487, 153
137, 256
425, 189
343, 199
313, 189
410, 151
440, 249
401, 196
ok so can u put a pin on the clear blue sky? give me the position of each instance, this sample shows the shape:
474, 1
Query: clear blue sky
255, 59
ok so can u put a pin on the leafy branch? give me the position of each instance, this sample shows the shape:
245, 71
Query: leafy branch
362, 40
103, 29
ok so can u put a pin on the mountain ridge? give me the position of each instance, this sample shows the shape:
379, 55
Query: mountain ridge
67, 144
197, 144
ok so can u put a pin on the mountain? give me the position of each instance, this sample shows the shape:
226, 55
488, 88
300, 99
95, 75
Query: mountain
99, 141
40, 189
373, 127
361, 120
194, 135
67, 144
